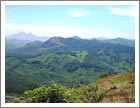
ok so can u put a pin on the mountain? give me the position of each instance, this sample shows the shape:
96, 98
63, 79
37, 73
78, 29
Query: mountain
15, 43
26, 36
53, 42
68, 61
122, 41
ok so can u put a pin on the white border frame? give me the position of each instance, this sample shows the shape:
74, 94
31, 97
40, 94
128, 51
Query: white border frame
3, 3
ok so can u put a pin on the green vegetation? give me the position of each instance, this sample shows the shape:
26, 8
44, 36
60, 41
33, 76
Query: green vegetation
68, 61
59, 94
104, 74
122, 41
14, 43
96, 92
55, 93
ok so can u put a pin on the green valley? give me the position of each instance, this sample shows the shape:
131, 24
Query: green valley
71, 62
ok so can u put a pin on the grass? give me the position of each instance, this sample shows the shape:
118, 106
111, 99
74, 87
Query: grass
99, 91
124, 93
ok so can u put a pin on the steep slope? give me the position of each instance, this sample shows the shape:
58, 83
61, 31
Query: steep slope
116, 89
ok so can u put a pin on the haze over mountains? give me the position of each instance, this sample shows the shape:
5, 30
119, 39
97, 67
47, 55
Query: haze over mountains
30, 37
26, 36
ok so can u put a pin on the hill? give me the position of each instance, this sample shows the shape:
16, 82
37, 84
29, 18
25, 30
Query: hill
15, 43
122, 41
112, 89
67, 61
116, 88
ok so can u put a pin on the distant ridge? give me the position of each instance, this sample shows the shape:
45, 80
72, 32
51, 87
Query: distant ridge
76, 37
26, 36
100, 38
122, 41
55, 40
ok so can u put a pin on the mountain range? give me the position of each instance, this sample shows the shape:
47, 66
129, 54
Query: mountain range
69, 61
29, 37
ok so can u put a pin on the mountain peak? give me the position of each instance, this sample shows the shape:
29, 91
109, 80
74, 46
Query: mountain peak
26, 36
54, 38
76, 37
53, 42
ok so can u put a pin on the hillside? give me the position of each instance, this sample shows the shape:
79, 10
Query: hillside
68, 61
15, 43
112, 89
126, 42
117, 88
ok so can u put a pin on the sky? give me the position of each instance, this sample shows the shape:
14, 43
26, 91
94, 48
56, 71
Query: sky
85, 21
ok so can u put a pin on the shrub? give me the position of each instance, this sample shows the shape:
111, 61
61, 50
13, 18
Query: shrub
54, 94
38, 95
94, 88
103, 75
98, 97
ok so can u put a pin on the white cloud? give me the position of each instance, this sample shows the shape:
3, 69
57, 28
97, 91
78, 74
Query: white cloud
123, 11
46, 30
64, 31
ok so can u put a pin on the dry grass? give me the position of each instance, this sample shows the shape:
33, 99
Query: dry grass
124, 93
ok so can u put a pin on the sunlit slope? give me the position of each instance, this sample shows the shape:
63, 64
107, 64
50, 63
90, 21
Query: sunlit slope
116, 89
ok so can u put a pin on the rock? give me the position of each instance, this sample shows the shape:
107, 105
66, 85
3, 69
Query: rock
113, 87
132, 82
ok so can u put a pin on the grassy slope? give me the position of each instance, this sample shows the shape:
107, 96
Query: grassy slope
125, 92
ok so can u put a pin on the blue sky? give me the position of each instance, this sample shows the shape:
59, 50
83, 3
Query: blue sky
91, 21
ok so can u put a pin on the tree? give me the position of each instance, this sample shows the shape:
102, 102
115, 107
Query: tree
104, 74
72, 66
